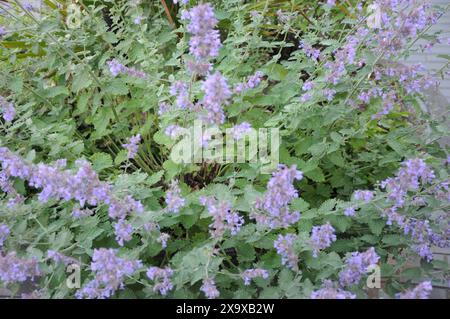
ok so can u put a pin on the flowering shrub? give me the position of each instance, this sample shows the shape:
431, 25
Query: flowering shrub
97, 96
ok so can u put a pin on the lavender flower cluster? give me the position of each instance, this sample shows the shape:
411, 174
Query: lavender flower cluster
397, 30
123, 231
350, 211
179, 89
240, 130
216, 95
252, 82
409, 76
250, 274
344, 56
109, 273
161, 277
132, 146
173, 131
57, 257
16, 269
56, 183
410, 177
309, 51
4, 233
330, 290
8, 110
322, 237
116, 68
164, 107
209, 289
163, 239
205, 39
174, 200
280, 192
81, 213
365, 196
285, 247
7, 187
224, 218
421, 291
204, 44
357, 264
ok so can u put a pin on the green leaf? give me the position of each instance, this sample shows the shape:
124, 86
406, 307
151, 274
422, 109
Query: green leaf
188, 219
328, 205
376, 226
116, 87
396, 146
121, 157
276, 72
110, 37
101, 122
344, 245
16, 85
245, 252
336, 158
318, 150
172, 169
82, 103
80, 81
155, 178
341, 223
101, 161
412, 273
315, 175
56, 90
394, 240
299, 204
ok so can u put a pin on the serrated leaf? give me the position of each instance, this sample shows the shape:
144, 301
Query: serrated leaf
376, 226
315, 175
394, 240
101, 161
116, 87
121, 157
80, 81
55, 91
299, 204
155, 178
341, 223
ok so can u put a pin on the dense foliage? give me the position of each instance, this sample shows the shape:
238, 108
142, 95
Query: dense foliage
97, 95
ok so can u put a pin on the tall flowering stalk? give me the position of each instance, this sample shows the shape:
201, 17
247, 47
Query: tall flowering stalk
421, 291
209, 289
132, 146
331, 290
4, 233
16, 269
273, 207
174, 200
204, 43
116, 68
8, 110
161, 277
250, 274
285, 247
58, 183
224, 218
357, 264
322, 237
110, 272
216, 96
